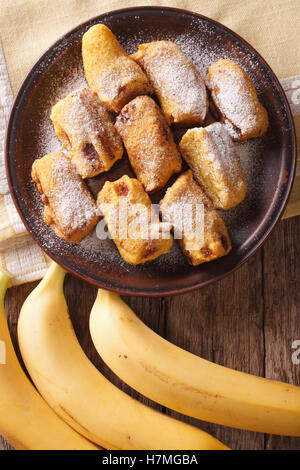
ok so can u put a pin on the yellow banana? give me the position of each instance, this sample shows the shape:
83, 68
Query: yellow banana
26, 420
184, 382
77, 391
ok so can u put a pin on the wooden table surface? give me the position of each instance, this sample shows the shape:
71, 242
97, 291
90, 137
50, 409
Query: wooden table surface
247, 321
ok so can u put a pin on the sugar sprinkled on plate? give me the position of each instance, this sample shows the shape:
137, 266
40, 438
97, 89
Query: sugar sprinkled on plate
196, 43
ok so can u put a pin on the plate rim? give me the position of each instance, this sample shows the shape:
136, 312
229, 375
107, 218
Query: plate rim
275, 217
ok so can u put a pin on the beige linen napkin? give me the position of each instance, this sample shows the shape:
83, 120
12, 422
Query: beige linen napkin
20, 257
29, 27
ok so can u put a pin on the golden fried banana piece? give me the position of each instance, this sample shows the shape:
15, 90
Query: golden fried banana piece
212, 157
176, 81
69, 208
85, 129
200, 230
132, 221
109, 71
235, 100
149, 142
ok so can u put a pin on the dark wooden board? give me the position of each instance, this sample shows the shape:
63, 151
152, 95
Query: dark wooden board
247, 321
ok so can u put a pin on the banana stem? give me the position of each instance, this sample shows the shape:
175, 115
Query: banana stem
4, 281
103, 294
54, 277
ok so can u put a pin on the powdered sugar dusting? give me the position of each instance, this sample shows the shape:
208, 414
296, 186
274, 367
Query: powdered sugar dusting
73, 205
233, 95
59, 87
84, 115
203, 45
251, 155
177, 82
224, 148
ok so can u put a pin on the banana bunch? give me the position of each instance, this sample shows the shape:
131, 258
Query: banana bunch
77, 391
26, 420
184, 382
97, 410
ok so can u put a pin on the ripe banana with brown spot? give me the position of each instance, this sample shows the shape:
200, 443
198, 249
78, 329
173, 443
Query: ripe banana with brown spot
79, 393
184, 382
26, 420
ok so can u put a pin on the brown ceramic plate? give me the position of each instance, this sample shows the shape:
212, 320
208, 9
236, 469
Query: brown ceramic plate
269, 162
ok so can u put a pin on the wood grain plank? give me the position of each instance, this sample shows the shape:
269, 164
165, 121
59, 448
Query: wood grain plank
282, 311
223, 323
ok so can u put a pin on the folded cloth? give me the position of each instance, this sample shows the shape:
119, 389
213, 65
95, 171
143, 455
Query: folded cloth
6, 99
28, 27
11, 226
23, 261
20, 256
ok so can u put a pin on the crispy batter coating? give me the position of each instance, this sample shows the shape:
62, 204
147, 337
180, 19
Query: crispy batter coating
149, 142
235, 100
214, 241
132, 221
70, 209
84, 127
176, 82
109, 71
212, 157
